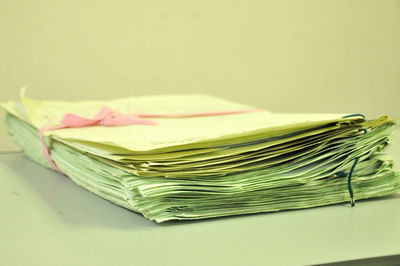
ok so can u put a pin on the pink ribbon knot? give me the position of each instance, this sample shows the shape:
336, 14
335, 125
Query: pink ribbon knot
106, 117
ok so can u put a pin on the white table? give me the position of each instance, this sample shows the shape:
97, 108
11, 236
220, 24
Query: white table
48, 220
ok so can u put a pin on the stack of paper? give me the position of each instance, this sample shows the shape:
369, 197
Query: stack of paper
212, 165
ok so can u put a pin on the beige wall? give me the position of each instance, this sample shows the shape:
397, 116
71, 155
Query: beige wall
293, 56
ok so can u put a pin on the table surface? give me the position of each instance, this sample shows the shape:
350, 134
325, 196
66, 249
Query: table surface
46, 219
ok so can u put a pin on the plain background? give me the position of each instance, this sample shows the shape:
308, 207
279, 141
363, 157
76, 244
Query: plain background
338, 56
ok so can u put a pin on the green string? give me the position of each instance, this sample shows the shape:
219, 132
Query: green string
363, 130
353, 115
349, 187
349, 182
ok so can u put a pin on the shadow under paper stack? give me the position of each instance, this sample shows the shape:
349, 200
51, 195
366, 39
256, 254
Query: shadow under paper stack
211, 166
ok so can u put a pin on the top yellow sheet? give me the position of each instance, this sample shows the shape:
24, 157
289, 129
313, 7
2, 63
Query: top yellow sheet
170, 134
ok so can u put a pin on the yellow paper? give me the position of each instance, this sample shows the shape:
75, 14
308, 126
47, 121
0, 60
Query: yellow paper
173, 133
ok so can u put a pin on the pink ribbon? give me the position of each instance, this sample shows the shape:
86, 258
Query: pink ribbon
109, 117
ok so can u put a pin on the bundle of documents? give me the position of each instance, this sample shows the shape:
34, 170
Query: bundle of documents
196, 156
